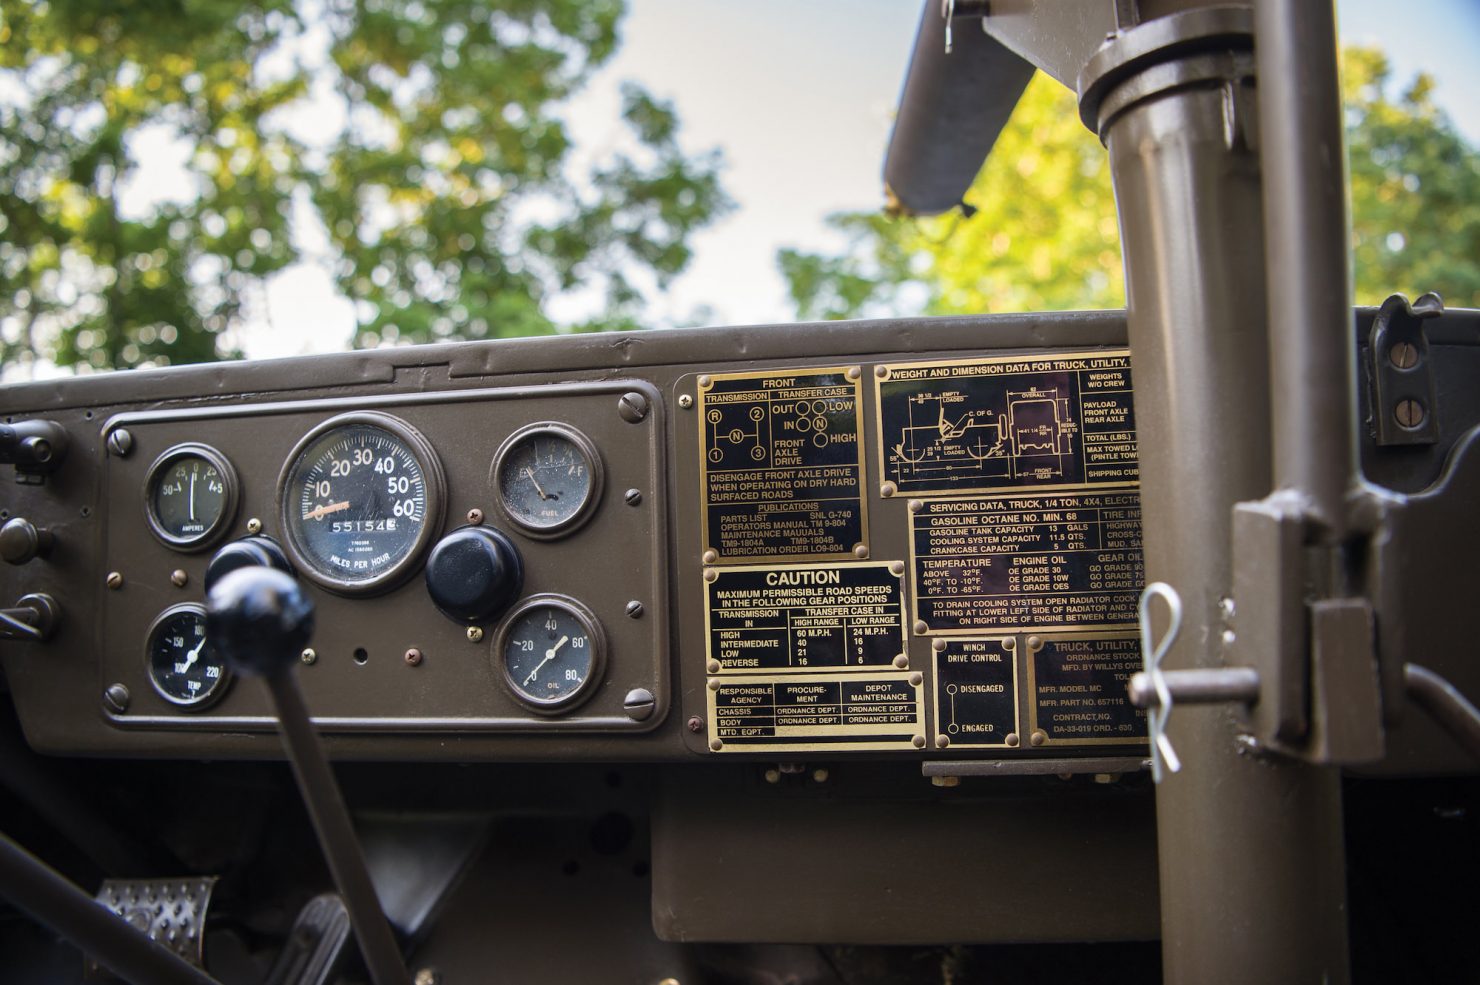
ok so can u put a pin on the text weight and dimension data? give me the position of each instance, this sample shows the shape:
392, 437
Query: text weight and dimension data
983, 425
781, 465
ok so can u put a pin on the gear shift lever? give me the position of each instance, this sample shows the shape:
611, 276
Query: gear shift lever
260, 620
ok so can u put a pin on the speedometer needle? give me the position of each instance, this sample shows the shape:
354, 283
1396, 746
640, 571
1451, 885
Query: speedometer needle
549, 655
318, 513
537, 487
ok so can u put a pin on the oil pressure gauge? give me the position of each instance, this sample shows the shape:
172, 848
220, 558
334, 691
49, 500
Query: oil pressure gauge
548, 478
551, 651
182, 664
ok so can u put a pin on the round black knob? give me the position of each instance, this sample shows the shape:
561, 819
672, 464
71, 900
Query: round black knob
474, 574
21, 541
259, 619
249, 552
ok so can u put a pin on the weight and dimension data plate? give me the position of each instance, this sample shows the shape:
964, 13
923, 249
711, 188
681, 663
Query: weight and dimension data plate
1026, 563
976, 698
819, 618
1078, 688
781, 465
1055, 421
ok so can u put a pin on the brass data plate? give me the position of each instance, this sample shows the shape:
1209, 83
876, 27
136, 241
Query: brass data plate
1078, 688
1026, 563
981, 425
805, 712
976, 696
821, 618
781, 465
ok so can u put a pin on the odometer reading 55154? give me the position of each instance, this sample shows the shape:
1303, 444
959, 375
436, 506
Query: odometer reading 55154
361, 498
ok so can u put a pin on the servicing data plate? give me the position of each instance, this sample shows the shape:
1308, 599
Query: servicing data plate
988, 424
810, 657
1018, 564
781, 465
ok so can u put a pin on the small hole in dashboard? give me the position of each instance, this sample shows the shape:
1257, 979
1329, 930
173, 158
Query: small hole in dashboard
360, 655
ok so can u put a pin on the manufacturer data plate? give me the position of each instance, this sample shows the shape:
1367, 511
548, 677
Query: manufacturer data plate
1016, 563
1032, 421
847, 712
817, 618
1079, 690
781, 465
976, 701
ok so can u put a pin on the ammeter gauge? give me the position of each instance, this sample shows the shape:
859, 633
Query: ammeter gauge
360, 498
548, 478
190, 496
551, 650
183, 666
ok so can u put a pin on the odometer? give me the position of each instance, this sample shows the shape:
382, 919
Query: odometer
361, 498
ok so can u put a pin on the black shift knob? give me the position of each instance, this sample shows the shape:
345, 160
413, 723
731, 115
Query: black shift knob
474, 574
247, 552
259, 619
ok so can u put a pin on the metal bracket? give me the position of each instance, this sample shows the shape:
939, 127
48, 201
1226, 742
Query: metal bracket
1403, 400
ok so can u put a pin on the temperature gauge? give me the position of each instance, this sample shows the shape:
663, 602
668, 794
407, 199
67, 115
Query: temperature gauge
548, 478
191, 496
551, 650
183, 666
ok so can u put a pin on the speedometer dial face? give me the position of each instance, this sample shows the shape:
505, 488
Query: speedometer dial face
361, 498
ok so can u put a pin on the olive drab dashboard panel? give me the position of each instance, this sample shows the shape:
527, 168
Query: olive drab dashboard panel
913, 539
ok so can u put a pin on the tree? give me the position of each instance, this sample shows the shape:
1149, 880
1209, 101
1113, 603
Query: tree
435, 164
1045, 235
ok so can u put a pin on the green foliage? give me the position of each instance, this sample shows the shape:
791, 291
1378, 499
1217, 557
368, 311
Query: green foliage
445, 190
1045, 237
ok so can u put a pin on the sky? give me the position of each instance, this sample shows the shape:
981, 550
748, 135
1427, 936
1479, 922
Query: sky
799, 96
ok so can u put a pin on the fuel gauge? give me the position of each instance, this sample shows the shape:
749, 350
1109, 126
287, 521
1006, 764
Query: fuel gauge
183, 666
548, 478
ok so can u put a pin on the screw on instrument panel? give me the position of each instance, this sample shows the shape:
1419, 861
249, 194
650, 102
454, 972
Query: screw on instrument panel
716, 744
712, 667
902, 661
1010, 643
945, 781
1038, 737
685, 401
773, 775
918, 742
634, 609
819, 775
179, 578
938, 645
1106, 777
115, 699
853, 373
475, 516
710, 574
427, 976
1011, 739
896, 568
254, 526
413, 657
669, 981
120, 443
696, 724
1409, 413
710, 556
639, 704
633, 497
1227, 607
941, 741
921, 628
1403, 355
713, 683
888, 489
917, 678
308, 655
114, 580
916, 505
475, 634
1035, 643
882, 372
633, 407
860, 551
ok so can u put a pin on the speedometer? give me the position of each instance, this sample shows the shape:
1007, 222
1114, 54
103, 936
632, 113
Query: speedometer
361, 498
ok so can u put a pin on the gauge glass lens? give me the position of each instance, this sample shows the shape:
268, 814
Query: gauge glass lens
183, 665
189, 494
356, 503
546, 480
549, 653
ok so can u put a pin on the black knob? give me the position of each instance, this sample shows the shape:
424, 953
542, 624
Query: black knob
249, 552
21, 541
259, 619
474, 574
